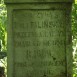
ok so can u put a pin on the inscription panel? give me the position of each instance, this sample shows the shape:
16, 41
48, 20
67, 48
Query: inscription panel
39, 38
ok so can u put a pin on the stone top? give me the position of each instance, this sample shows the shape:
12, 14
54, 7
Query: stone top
43, 1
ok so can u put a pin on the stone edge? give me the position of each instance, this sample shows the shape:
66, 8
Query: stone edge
36, 1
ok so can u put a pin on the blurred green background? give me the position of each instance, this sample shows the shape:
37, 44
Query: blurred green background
74, 37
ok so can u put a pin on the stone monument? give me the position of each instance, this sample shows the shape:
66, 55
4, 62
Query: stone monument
39, 38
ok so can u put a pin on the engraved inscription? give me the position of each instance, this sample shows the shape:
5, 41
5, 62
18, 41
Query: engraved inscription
39, 43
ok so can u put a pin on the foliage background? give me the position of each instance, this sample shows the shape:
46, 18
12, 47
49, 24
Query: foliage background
3, 24
74, 37
3, 33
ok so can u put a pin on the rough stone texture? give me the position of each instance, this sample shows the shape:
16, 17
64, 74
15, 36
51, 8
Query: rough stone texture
39, 40
44, 1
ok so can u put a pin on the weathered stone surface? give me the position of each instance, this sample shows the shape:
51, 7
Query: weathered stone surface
44, 1
39, 40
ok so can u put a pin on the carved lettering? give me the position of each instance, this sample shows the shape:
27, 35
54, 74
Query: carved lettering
39, 42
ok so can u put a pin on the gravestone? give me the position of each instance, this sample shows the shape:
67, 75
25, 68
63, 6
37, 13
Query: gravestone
39, 38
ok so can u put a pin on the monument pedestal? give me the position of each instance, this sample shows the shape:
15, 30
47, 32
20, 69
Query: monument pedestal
39, 38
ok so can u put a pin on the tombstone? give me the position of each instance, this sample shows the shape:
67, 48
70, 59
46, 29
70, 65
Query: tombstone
39, 38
